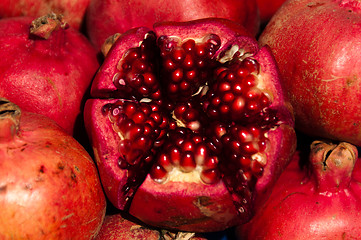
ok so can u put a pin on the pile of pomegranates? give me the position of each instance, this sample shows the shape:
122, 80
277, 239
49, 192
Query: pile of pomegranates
180, 120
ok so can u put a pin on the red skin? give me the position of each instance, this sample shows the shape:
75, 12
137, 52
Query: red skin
49, 185
311, 203
116, 227
73, 10
49, 76
268, 8
105, 17
318, 58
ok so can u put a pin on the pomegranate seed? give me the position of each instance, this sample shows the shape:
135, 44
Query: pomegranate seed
210, 176
189, 45
178, 55
177, 75
187, 163
158, 173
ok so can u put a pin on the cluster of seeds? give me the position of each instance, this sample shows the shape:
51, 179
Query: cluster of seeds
137, 74
234, 95
186, 64
140, 126
186, 150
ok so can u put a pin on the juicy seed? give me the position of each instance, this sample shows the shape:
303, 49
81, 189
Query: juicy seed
235, 96
186, 64
186, 150
137, 72
138, 127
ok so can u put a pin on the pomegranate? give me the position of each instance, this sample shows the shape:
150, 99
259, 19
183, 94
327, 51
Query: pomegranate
105, 18
319, 59
49, 185
73, 10
46, 67
318, 199
119, 227
189, 125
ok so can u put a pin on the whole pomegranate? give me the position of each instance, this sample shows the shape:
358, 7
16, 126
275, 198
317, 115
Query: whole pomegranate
189, 125
318, 199
317, 47
49, 185
73, 10
118, 227
105, 17
46, 67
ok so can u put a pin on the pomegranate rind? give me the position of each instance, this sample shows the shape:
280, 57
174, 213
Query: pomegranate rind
184, 206
49, 185
106, 155
103, 84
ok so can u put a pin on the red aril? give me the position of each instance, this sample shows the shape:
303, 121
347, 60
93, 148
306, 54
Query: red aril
173, 144
46, 67
315, 198
106, 18
317, 47
49, 185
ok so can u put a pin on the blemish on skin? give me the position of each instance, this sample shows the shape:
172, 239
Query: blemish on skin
61, 166
314, 4
67, 216
3, 189
42, 169
28, 186
204, 201
76, 168
73, 176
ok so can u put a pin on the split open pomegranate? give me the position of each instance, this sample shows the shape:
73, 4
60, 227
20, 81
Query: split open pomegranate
189, 125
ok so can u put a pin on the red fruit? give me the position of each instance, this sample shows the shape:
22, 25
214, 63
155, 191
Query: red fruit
106, 18
315, 199
72, 10
162, 155
319, 59
268, 8
116, 227
46, 67
49, 185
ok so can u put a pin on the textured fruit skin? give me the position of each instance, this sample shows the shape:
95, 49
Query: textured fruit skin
317, 47
115, 227
105, 18
119, 227
303, 207
49, 185
73, 11
49, 77
183, 205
